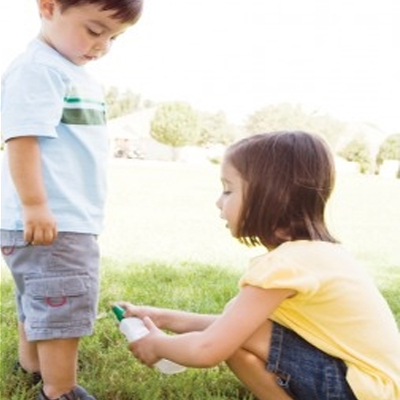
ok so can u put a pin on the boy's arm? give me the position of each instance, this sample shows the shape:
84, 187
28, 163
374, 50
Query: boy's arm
26, 171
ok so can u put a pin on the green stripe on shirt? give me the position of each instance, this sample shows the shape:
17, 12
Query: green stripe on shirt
80, 100
79, 116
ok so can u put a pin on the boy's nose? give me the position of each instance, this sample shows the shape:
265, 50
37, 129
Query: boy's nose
103, 46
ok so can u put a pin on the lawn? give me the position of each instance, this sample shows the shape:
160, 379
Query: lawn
164, 244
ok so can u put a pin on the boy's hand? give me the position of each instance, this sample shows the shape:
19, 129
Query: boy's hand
40, 226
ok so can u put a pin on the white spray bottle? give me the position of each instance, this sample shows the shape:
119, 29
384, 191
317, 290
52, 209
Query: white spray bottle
133, 328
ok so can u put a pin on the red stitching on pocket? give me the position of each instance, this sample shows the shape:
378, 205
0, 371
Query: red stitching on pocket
7, 250
54, 304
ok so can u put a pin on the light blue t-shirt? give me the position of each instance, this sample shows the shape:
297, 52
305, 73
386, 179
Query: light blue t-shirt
46, 96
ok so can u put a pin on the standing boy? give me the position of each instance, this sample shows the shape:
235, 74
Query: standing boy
54, 183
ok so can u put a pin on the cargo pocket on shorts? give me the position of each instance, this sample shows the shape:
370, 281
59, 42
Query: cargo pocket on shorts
57, 302
10, 240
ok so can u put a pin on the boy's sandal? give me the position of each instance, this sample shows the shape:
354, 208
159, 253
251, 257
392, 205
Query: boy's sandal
79, 393
35, 377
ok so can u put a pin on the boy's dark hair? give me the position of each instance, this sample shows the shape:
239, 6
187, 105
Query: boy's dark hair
125, 10
289, 177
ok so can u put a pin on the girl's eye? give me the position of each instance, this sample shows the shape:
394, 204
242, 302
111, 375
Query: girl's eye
226, 192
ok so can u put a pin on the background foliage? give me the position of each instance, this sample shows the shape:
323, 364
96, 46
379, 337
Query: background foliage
178, 124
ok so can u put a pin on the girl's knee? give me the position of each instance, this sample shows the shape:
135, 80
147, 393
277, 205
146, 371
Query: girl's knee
245, 360
252, 372
240, 356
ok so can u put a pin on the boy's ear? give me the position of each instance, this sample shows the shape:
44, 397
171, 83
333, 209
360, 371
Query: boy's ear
46, 8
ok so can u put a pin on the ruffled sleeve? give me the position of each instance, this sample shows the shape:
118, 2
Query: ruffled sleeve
275, 270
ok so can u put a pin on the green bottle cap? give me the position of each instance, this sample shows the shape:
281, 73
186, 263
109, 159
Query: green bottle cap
119, 312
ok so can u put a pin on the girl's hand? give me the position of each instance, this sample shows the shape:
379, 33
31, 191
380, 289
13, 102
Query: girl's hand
144, 349
141, 312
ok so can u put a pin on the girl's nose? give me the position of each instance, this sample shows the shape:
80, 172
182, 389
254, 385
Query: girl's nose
218, 203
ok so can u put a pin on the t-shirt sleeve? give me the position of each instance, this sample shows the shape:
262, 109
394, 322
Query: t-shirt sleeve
275, 271
32, 102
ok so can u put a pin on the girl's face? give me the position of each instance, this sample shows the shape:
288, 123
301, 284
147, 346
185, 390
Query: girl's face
231, 200
81, 33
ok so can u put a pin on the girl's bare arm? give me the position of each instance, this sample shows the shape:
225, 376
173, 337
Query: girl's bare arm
218, 340
173, 320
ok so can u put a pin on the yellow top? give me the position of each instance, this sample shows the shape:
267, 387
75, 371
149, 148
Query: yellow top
338, 309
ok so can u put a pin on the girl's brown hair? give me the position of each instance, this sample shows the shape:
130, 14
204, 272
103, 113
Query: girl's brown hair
127, 11
289, 177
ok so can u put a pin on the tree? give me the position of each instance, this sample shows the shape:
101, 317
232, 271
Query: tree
287, 116
215, 129
119, 104
389, 150
175, 124
357, 150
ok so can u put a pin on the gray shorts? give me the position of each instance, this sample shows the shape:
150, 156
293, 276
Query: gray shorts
57, 286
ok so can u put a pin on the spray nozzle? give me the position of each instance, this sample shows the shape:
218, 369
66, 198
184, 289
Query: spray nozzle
119, 312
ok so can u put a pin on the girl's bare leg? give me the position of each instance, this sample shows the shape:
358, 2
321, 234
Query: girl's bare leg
248, 364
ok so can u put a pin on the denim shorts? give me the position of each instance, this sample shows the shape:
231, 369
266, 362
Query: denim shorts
305, 372
57, 286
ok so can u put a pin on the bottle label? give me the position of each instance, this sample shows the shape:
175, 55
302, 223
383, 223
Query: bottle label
133, 328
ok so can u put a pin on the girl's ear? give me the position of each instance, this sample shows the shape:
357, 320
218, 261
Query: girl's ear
46, 8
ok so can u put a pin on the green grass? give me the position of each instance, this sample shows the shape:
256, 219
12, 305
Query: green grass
164, 244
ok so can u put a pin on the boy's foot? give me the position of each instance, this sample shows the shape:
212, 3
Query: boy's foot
34, 377
78, 393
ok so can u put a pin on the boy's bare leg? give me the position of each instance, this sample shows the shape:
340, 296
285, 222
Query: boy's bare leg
248, 364
28, 355
58, 362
